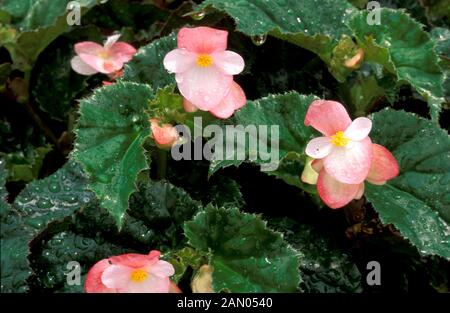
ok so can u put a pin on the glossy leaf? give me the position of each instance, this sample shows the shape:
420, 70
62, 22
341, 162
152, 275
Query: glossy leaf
245, 254
417, 201
25, 165
56, 76
154, 221
40, 204
325, 267
287, 112
147, 65
401, 45
297, 22
38, 23
110, 133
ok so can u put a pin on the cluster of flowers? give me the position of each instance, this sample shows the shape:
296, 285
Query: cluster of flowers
340, 161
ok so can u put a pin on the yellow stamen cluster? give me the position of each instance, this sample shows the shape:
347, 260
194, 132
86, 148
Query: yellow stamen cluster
139, 276
103, 54
204, 60
339, 139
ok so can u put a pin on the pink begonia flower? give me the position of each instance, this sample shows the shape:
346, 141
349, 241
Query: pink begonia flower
204, 71
336, 194
345, 148
234, 100
93, 58
131, 273
165, 135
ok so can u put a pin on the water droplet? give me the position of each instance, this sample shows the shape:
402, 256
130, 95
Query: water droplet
54, 187
135, 118
259, 40
198, 16
86, 199
44, 204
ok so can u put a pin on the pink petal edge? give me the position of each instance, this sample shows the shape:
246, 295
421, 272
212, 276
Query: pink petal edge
328, 117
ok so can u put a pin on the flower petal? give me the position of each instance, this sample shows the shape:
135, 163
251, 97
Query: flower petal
328, 117
202, 39
334, 193
153, 284
205, 87
100, 64
360, 192
358, 129
161, 269
235, 99
179, 60
317, 165
229, 62
122, 52
384, 165
188, 106
133, 260
111, 40
116, 276
79, 66
319, 147
173, 288
350, 165
88, 47
93, 283
154, 254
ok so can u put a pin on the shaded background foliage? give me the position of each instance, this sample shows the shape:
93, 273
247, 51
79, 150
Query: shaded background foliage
49, 217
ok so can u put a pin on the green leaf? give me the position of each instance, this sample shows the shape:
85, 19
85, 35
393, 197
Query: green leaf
361, 91
401, 45
3, 193
54, 198
286, 111
14, 252
183, 259
417, 201
163, 208
40, 204
300, 23
52, 265
441, 37
154, 221
245, 254
324, 266
24, 165
147, 64
39, 23
110, 133
56, 75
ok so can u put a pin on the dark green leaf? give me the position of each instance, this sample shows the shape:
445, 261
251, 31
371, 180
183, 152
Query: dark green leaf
110, 133
417, 202
401, 45
147, 65
246, 256
300, 23
324, 267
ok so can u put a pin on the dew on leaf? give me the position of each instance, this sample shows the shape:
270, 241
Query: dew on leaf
259, 40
